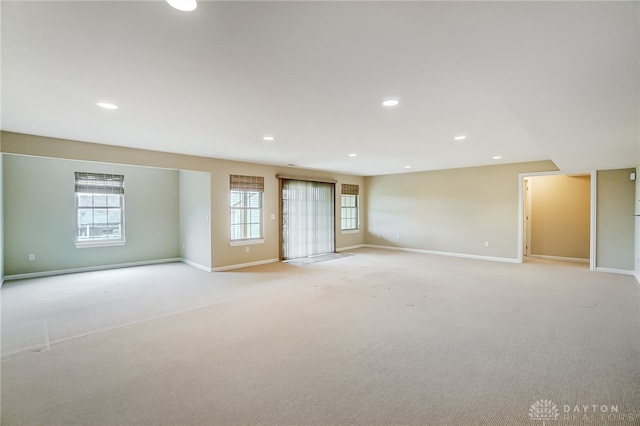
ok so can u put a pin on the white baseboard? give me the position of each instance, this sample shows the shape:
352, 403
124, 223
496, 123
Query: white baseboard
244, 265
637, 277
559, 258
88, 269
616, 271
444, 253
195, 265
339, 249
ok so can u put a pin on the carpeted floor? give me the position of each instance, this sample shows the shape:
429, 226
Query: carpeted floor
316, 259
379, 337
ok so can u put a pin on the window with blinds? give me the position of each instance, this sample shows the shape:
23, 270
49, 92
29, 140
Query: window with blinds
246, 207
349, 207
99, 209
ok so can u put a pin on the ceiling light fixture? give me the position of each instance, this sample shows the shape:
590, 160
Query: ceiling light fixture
460, 138
407, 167
390, 102
353, 155
183, 5
497, 157
268, 138
107, 105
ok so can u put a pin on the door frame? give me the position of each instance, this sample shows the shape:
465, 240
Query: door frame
592, 218
526, 246
281, 178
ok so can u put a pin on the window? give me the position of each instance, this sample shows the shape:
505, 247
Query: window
99, 209
246, 207
349, 207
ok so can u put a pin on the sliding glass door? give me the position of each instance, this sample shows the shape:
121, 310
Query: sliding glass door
307, 218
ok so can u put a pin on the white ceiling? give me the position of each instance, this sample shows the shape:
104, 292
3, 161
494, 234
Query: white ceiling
524, 80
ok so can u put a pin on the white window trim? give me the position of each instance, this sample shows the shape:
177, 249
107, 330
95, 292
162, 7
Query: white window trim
353, 230
98, 242
93, 244
236, 243
245, 241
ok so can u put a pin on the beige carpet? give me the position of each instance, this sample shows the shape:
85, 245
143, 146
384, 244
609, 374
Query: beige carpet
380, 337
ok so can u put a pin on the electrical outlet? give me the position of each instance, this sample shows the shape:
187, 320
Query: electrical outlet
32, 256
486, 243
247, 249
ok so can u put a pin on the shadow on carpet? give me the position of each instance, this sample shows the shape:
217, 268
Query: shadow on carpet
316, 259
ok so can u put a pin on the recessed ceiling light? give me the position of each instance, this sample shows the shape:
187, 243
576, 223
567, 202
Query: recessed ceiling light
268, 138
460, 138
107, 105
183, 5
391, 102
497, 157
407, 167
353, 155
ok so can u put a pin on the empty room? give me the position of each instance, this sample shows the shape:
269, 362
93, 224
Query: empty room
319, 213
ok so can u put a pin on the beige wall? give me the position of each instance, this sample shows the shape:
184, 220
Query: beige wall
40, 215
221, 253
454, 211
615, 220
560, 215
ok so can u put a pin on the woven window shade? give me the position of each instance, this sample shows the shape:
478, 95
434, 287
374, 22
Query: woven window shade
348, 189
99, 183
246, 183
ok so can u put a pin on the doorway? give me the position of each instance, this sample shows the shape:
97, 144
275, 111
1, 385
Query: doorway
557, 217
308, 222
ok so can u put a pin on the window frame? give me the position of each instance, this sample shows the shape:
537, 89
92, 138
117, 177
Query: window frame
245, 223
101, 188
355, 209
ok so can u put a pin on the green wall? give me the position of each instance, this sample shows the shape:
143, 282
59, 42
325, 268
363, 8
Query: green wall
40, 215
637, 225
1, 218
195, 218
615, 220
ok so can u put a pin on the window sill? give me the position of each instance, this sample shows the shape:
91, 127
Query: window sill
93, 244
350, 231
237, 243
